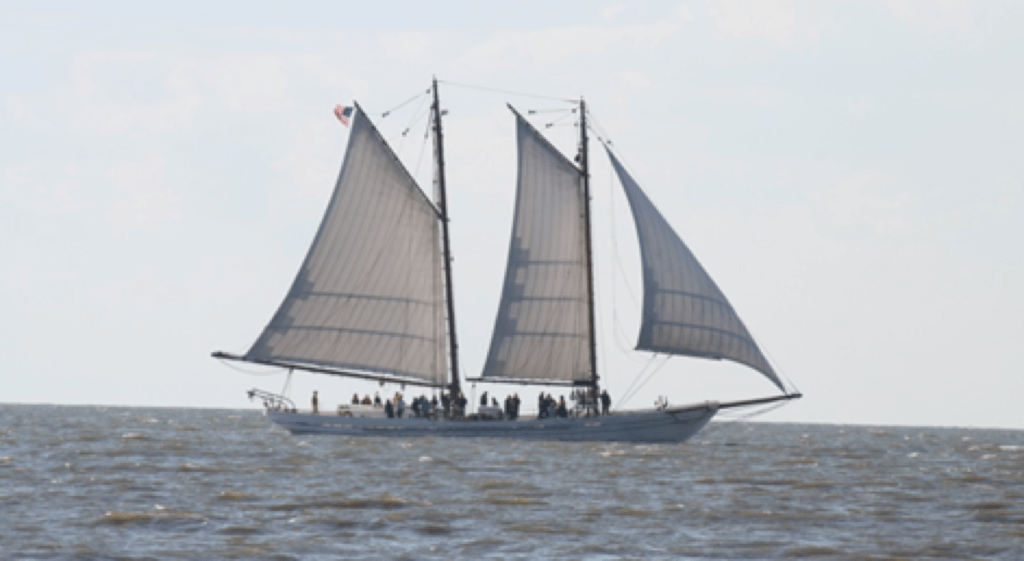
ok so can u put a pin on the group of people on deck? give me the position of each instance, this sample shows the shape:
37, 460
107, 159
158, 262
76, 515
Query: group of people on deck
547, 406
366, 400
450, 408
429, 408
419, 407
510, 409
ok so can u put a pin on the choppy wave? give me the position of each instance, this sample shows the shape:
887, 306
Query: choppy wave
190, 484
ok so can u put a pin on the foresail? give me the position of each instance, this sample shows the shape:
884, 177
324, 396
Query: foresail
542, 328
684, 312
369, 296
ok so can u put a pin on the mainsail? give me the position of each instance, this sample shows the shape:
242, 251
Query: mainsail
370, 295
684, 312
542, 329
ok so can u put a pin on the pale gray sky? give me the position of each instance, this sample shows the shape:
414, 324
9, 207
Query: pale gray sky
849, 173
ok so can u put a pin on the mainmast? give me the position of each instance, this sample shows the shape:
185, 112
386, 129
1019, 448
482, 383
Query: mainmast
585, 171
442, 203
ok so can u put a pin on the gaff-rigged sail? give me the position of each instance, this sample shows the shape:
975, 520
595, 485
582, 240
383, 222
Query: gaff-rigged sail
542, 329
684, 312
370, 295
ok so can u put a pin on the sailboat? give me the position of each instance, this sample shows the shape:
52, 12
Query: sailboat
374, 300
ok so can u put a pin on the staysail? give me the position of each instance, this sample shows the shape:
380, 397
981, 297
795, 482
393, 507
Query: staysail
370, 295
542, 329
684, 312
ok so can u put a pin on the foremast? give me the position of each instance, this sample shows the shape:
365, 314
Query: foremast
454, 386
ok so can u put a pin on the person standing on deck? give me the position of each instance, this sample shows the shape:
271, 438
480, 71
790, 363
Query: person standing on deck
315, 403
606, 402
461, 403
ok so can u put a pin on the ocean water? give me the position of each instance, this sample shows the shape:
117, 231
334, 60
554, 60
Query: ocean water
139, 483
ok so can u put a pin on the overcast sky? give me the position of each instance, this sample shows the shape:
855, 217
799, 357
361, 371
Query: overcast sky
851, 174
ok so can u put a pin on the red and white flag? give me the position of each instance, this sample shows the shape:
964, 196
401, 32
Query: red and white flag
344, 114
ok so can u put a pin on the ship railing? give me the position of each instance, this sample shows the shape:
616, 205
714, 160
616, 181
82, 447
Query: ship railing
272, 401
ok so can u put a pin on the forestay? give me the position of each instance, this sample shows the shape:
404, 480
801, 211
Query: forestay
684, 312
369, 296
542, 328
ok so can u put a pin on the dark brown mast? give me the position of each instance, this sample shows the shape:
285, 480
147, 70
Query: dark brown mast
585, 171
442, 203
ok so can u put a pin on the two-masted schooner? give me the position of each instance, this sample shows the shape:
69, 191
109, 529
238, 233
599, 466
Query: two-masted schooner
373, 299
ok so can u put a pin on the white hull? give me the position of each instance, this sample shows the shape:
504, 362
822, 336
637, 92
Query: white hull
674, 424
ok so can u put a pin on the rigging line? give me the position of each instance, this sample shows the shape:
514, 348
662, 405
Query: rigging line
616, 255
416, 116
539, 111
423, 147
603, 137
497, 90
643, 372
620, 336
601, 351
649, 378
757, 412
599, 129
403, 104
778, 369
634, 385
567, 114
629, 389
621, 342
285, 390
232, 365
617, 268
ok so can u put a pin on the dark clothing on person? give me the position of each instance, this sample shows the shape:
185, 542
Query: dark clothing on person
606, 402
389, 410
549, 406
483, 400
